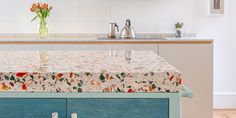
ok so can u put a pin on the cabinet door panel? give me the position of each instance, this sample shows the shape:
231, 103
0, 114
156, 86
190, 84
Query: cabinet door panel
195, 61
119, 108
32, 108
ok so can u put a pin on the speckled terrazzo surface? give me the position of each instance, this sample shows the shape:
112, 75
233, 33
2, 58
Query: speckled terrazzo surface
87, 71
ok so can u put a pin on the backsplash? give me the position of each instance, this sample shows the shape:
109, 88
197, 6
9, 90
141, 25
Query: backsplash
93, 16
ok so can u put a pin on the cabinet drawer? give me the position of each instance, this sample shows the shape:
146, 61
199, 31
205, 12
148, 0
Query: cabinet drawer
32, 108
119, 108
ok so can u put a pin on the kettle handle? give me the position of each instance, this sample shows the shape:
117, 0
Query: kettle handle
128, 23
117, 27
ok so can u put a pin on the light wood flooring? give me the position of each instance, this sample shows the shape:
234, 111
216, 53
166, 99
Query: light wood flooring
224, 113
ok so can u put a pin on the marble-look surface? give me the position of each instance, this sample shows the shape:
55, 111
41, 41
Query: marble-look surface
87, 71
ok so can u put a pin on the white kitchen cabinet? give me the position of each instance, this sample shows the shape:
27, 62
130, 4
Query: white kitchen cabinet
195, 61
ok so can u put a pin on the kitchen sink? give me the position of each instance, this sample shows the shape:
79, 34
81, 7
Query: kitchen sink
132, 39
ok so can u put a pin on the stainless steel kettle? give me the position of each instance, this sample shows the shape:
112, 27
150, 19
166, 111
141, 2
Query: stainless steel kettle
127, 32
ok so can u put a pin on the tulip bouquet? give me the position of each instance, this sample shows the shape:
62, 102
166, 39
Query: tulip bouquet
42, 11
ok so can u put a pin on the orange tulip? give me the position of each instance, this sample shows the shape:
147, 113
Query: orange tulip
34, 6
32, 10
41, 10
45, 6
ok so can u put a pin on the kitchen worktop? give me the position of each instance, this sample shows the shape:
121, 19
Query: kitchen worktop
87, 71
101, 39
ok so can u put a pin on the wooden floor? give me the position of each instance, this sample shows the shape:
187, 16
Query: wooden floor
224, 113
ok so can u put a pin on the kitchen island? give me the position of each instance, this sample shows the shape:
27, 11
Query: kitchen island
192, 55
90, 83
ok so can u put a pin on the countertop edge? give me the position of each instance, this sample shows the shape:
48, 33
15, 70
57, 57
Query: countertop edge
96, 42
96, 39
87, 95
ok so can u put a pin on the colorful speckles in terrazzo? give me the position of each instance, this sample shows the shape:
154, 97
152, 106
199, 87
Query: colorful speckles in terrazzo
86, 71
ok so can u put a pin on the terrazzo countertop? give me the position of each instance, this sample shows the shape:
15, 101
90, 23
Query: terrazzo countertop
87, 71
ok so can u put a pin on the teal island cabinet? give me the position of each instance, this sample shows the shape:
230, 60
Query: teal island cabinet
31, 108
119, 108
92, 105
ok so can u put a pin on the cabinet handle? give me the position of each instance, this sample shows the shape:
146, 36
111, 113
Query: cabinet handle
73, 115
54, 115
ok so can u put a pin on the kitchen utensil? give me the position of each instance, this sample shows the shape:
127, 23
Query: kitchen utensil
113, 28
127, 32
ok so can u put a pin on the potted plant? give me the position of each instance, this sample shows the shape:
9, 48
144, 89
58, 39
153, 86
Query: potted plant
179, 29
42, 11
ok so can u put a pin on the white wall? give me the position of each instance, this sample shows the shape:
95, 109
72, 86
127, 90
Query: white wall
83, 16
222, 30
93, 16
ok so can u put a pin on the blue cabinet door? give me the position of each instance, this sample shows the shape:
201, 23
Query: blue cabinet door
118, 108
32, 108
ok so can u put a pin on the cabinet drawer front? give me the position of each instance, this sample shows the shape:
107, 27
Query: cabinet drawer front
32, 108
119, 108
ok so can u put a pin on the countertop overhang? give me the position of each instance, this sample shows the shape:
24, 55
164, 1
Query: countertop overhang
87, 71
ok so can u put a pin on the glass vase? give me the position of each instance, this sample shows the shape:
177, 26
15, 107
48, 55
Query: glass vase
179, 32
42, 29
